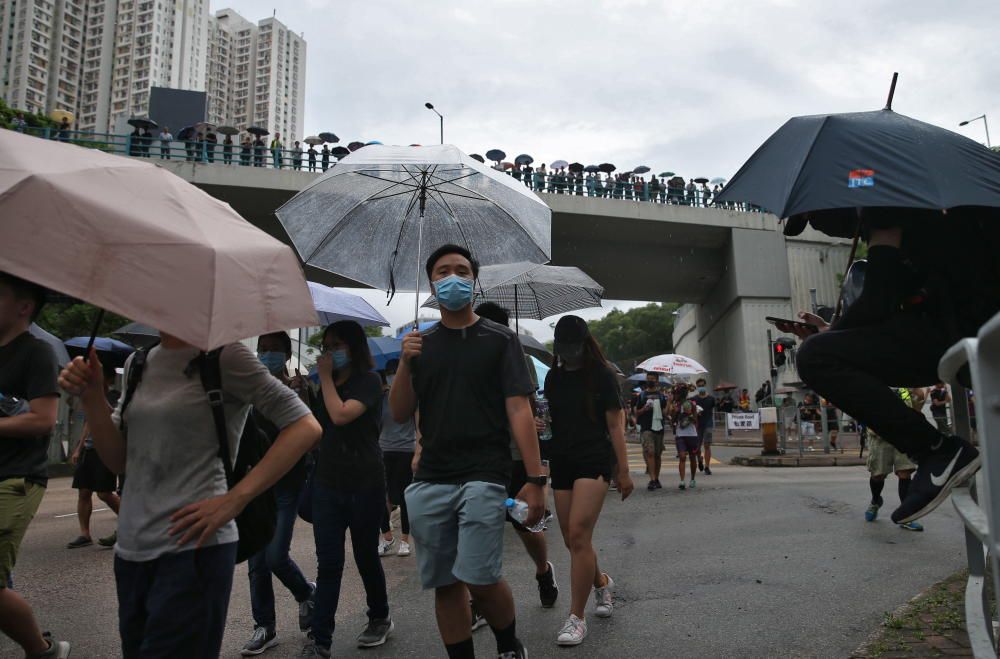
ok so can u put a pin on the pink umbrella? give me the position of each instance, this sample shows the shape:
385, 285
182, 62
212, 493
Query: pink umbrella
133, 238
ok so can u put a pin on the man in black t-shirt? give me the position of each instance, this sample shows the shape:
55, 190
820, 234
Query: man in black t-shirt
467, 378
28, 385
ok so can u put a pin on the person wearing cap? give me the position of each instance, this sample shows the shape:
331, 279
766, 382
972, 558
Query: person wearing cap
467, 378
684, 418
587, 448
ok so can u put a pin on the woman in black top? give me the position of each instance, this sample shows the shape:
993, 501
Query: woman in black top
588, 438
349, 488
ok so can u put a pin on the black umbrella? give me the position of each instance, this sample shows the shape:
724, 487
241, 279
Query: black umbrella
606, 167
186, 133
339, 152
837, 162
593, 169
496, 155
329, 137
354, 146
258, 131
476, 156
575, 167
666, 174
641, 169
524, 159
228, 130
701, 179
142, 122
138, 335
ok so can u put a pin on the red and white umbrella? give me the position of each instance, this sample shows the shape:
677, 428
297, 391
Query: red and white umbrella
672, 365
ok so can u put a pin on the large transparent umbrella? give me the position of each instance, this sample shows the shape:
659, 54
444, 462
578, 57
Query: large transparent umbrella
378, 215
536, 292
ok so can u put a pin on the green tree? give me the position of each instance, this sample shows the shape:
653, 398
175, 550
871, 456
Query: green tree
373, 331
67, 320
628, 337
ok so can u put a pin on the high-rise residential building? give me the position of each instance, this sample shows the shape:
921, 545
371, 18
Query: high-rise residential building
100, 58
257, 75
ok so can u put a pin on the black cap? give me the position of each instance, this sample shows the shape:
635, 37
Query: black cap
571, 329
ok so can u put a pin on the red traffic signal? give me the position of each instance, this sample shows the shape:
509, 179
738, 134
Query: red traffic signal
780, 350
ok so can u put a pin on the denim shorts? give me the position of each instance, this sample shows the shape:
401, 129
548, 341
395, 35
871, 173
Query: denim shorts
458, 530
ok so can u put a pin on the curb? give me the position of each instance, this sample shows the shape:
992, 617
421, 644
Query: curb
798, 461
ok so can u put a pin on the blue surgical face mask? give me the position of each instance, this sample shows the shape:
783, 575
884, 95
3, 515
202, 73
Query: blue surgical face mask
701, 391
453, 292
340, 359
272, 361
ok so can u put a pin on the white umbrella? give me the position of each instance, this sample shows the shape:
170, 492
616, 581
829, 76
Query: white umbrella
672, 365
333, 306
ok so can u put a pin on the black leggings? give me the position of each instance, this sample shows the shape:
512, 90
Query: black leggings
398, 476
855, 368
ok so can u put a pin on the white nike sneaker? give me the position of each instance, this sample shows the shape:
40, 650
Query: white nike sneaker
604, 599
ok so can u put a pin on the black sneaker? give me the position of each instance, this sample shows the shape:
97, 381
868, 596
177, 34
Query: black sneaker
548, 591
263, 639
81, 541
520, 653
708, 470
312, 651
659, 485
375, 632
651, 486
701, 464
951, 463
306, 609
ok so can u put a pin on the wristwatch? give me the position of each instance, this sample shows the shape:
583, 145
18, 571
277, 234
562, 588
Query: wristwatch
537, 480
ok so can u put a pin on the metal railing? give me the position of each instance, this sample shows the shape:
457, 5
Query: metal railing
809, 429
262, 154
978, 505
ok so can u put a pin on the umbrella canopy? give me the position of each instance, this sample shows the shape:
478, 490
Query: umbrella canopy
142, 122
59, 115
339, 152
228, 130
157, 249
641, 169
530, 291
354, 146
329, 137
593, 169
576, 167
524, 159
333, 306
725, 386
110, 351
313, 140
606, 167
137, 334
559, 164
62, 357
701, 179
718, 181
672, 365
478, 158
666, 174
427, 324
384, 349
534, 348
641, 377
185, 133
496, 155
838, 162
259, 131
378, 215
372, 142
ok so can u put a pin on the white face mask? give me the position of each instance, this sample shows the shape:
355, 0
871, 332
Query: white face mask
389, 379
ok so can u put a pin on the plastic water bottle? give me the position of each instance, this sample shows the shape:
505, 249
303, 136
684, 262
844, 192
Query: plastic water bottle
542, 406
11, 406
518, 510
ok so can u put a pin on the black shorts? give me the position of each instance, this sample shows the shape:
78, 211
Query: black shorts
91, 474
398, 474
564, 471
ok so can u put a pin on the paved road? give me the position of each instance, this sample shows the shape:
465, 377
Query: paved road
753, 563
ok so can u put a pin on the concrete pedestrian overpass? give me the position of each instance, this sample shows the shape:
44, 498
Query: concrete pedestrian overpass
730, 268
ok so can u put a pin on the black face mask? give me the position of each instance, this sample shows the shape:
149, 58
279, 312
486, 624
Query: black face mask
570, 353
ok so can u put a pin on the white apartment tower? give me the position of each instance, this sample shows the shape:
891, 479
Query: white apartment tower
257, 75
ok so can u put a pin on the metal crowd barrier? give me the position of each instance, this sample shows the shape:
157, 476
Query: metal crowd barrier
978, 504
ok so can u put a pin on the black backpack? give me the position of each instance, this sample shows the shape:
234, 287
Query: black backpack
257, 522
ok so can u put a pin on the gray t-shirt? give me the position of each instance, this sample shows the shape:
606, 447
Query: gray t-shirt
172, 450
396, 437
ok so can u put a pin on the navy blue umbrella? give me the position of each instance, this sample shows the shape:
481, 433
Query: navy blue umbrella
820, 168
384, 349
108, 350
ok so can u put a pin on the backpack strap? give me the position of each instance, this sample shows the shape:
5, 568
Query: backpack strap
134, 378
209, 369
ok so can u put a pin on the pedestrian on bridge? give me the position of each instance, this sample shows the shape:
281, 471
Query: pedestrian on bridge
297, 156
312, 158
165, 139
326, 157
276, 148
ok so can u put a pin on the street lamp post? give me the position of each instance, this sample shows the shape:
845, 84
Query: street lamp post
985, 125
430, 107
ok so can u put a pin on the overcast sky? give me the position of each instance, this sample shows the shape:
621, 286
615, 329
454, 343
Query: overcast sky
689, 87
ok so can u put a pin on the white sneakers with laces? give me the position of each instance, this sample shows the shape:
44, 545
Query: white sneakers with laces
385, 546
404, 548
573, 632
604, 599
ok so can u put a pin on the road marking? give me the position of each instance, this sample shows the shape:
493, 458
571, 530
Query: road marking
96, 510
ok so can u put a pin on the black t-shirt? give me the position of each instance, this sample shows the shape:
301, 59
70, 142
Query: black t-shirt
463, 379
28, 370
577, 403
645, 419
940, 397
707, 405
349, 456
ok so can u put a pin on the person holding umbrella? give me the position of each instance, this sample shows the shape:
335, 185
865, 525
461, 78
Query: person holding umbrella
312, 158
227, 149
468, 379
258, 151
326, 157
28, 373
246, 150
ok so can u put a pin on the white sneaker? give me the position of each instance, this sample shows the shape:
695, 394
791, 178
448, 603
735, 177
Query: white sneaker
573, 632
385, 547
604, 599
404, 548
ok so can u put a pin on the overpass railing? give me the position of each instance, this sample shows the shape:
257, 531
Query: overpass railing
978, 505
241, 154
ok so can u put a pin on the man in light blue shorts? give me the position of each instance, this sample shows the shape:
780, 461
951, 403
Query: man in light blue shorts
467, 378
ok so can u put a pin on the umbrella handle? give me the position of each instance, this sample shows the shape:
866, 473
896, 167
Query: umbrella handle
416, 300
93, 333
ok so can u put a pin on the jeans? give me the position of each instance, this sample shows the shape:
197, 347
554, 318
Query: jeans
274, 559
854, 369
334, 512
175, 605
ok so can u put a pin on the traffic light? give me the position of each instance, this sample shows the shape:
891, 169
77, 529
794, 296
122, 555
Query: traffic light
781, 347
